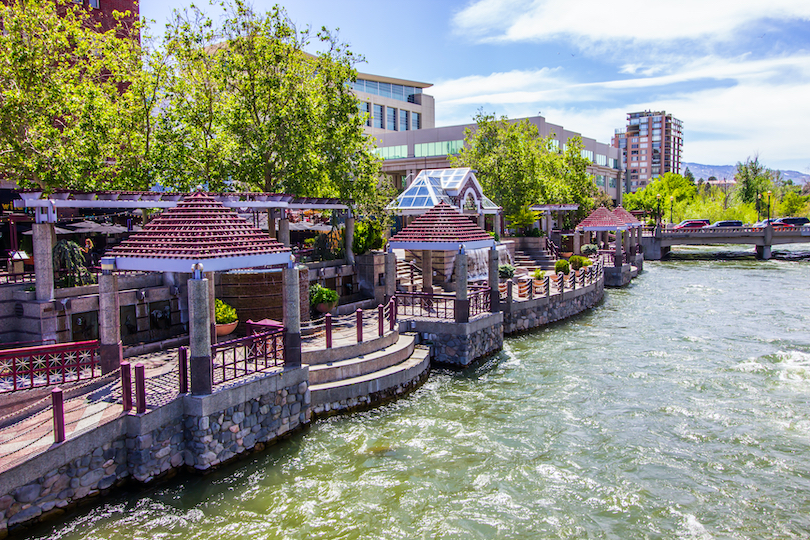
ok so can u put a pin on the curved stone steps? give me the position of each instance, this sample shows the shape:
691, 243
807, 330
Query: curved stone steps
371, 387
364, 364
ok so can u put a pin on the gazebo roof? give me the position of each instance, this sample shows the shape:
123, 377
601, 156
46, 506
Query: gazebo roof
198, 230
602, 219
626, 217
432, 186
442, 228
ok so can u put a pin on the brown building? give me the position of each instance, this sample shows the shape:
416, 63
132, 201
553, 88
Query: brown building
651, 145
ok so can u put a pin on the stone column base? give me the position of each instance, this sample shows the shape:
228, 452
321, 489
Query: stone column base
111, 357
292, 349
202, 377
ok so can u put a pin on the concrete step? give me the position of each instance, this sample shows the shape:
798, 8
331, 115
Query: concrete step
371, 383
364, 364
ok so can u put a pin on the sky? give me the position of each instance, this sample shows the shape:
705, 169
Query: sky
737, 73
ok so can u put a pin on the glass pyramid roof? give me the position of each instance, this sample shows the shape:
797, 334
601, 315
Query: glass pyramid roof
432, 186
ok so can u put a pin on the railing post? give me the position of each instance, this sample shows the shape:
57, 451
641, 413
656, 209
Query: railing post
57, 400
380, 319
183, 365
509, 289
359, 321
392, 306
328, 318
140, 388
126, 386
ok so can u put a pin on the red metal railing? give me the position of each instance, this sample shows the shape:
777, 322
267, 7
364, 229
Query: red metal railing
24, 277
243, 356
426, 304
480, 300
34, 367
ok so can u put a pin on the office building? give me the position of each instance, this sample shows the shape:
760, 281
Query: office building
650, 145
393, 104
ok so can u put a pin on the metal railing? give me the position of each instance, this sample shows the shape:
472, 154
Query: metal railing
244, 356
480, 299
35, 367
550, 285
8, 278
426, 304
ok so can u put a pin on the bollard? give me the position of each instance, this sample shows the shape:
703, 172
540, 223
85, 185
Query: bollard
57, 400
359, 313
140, 389
328, 318
380, 320
126, 386
183, 365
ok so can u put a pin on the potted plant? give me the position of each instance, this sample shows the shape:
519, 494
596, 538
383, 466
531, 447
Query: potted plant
506, 271
226, 318
322, 299
562, 266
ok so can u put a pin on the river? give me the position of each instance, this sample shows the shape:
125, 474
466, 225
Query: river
677, 408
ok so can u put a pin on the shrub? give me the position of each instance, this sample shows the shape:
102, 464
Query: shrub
494, 235
586, 262
534, 233
367, 236
562, 266
224, 313
539, 274
318, 294
506, 271
577, 262
70, 256
589, 249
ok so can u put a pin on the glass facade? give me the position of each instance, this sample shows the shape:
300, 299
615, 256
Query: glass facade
391, 119
377, 117
416, 120
392, 152
403, 120
442, 148
387, 90
364, 107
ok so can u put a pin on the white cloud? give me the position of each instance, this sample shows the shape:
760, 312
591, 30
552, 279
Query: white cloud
624, 20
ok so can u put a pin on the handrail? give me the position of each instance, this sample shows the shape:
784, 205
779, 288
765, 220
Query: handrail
244, 356
34, 367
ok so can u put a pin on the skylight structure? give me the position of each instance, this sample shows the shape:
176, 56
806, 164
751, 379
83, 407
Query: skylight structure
457, 187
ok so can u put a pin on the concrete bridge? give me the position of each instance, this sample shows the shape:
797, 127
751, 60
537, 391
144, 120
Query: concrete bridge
658, 242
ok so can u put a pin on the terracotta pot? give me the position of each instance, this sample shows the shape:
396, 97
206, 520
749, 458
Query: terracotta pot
323, 307
227, 328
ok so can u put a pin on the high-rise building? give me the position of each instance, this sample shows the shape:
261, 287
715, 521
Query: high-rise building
394, 104
650, 145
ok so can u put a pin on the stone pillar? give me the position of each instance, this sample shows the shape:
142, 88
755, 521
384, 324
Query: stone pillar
271, 223
109, 318
495, 295
577, 242
349, 238
482, 221
199, 329
427, 270
284, 231
292, 315
764, 251
44, 240
617, 261
212, 305
390, 275
497, 224
605, 240
638, 237
626, 241
462, 302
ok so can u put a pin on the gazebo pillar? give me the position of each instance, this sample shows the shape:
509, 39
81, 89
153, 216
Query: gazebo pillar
292, 315
199, 319
271, 222
427, 270
462, 302
390, 274
212, 305
109, 318
618, 259
638, 237
481, 220
284, 231
494, 292
44, 239
577, 242
349, 237
497, 224
626, 240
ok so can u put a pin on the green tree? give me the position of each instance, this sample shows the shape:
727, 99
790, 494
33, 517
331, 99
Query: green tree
752, 178
669, 185
567, 180
61, 81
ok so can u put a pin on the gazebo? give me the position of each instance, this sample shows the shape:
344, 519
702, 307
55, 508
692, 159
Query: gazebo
199, 235
603, 220
444, 228
630, 244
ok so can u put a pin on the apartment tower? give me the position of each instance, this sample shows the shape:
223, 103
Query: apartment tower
650, 145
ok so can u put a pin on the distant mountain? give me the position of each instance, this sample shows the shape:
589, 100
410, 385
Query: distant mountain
727, 171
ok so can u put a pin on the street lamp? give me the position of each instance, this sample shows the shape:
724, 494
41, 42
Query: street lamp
671, 201
759, 204
659, 208
769, 206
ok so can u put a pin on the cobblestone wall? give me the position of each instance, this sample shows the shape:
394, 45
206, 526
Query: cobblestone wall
522, 316
460, 344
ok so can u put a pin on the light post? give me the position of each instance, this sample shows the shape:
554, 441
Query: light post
769, 206
759, 203
671, 201
658, 197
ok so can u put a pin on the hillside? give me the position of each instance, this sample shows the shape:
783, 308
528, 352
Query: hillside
727, 171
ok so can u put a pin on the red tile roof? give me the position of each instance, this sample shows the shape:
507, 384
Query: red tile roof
198, 228
625, 217
442, 224
602, 219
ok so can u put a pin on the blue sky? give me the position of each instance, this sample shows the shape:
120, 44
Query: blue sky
737, 73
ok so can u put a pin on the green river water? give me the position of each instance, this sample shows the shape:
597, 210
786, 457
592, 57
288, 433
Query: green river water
677, 408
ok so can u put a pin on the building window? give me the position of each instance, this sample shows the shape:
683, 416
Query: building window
611, 182
601, 159
442, 148
92, 3
403, 120
416, 120
392, 152
377, 117
363, 107
391, 119
587, 154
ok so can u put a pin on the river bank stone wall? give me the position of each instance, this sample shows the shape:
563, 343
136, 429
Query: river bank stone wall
529, 314
191, 432
460, 344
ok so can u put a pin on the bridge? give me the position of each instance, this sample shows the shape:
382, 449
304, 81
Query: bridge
658, 242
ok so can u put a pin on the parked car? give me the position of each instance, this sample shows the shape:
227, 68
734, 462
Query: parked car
691, 224
724, 223
764, 223
792, 221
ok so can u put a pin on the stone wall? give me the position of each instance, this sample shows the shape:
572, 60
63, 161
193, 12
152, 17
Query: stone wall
460, 344
522, 316
193, 432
